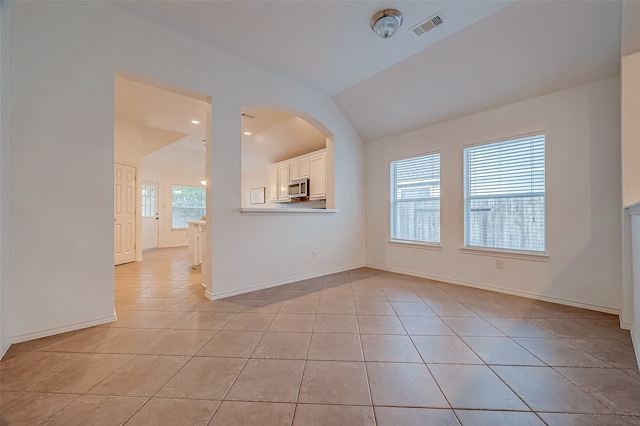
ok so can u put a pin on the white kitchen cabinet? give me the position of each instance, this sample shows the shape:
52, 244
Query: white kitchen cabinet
304, 168
283, 183
294, 170
273, 184
318, 176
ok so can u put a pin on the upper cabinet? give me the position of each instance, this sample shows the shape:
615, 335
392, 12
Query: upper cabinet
312, 166
318, 176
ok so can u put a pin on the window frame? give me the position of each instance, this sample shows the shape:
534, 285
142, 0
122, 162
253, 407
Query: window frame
406, 242
498, 251
173, 186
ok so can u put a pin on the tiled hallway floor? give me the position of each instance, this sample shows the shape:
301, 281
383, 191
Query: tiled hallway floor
363, 347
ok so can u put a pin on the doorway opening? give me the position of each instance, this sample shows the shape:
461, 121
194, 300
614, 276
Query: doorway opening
162, 132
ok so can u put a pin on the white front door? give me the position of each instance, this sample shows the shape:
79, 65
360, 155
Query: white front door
150, 217
124, 214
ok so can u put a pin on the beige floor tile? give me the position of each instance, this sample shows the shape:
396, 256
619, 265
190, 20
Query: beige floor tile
293, 322
451, 309
608, 328
333, 415
334, 382
413, 308
181, 342
614, 352
203, 378
465, 326
237, 344
28, 408
250, 322
563, 419
445, 349
389, 348
475, 387
336, 324
559, 352
283, 346
142, 376
395, 416
167, 320
82, 374
163, 411
133, 341
85, 340
238, 413
426, 326
370, 296
501, 351
336, 307
131, 319
365, 307
299, 307
336, 294
158, 303
544, 389
568, 329
26, 367
256, 382
380, 324
208, 321
614, 388
403, 385
97, 410
497, 418
519, 327
335, 347
260, 306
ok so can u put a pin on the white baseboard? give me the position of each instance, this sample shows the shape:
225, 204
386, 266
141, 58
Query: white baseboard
216, 296
528, 295
635, 338
4, 349
625, 325
57, 330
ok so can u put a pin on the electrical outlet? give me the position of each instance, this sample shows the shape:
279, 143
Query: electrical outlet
499, 263
313, 254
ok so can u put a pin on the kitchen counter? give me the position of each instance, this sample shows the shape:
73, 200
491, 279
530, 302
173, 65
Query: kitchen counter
255, 211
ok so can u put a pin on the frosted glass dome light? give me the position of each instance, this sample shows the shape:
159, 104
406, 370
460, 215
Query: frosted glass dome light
386, 22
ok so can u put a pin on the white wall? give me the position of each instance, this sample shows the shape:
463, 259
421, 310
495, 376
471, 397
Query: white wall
630, 76
4, 313
64, 56
583, 198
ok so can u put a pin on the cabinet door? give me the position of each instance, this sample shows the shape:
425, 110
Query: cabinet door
318, 176
273, 184
304, 168
294, 170
283, 183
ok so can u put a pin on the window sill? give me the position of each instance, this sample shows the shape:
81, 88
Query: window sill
414, 244
178, 229
538, 257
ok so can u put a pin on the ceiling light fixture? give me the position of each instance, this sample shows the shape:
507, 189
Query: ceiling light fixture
247, 133
195, 121
386, 22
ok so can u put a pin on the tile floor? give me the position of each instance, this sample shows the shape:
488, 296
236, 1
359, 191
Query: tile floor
363, 347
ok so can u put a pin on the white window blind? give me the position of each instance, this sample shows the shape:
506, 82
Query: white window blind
504, 194
415, 199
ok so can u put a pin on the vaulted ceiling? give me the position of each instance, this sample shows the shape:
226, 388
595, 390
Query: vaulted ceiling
485, 54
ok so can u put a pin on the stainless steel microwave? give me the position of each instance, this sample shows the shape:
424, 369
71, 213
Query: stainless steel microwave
299, 188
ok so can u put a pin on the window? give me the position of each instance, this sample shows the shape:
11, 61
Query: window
415, 199
148, 201
504, 195
187, 203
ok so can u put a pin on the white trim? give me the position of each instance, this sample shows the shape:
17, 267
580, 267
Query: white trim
635, 339
526, 294
217, 296
541, 257
634, 208
414, 244
3, 350
57, 330
625, 325
208, 295
257, 211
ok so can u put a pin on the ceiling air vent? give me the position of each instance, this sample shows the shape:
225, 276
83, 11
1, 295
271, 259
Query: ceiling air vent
428, 25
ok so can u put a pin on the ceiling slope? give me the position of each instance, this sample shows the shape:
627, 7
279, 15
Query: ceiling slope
526, 50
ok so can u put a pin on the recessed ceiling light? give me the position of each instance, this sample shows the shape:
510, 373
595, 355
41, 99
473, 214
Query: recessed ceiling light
195, 121
247, 133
